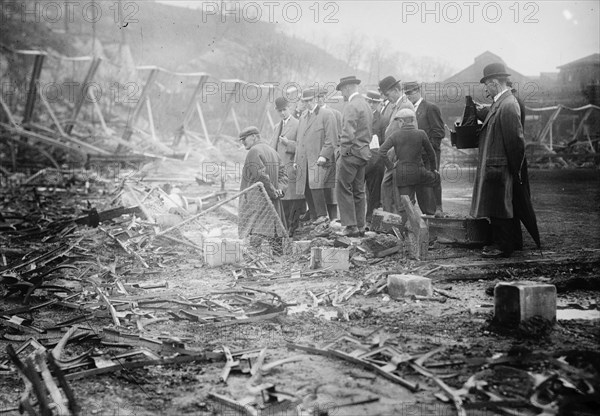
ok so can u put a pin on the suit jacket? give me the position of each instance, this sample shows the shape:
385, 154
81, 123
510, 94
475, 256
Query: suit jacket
501, 156
409, 144
317, 135
287, 153
262, 164
429, 119
357, 129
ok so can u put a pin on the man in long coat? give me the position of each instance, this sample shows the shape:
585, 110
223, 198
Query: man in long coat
500, 165
375, 168
284, 143
314, 160
262, 164
354, 154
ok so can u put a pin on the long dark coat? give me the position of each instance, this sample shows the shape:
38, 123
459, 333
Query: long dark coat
317, 135
262, 164
287, 153
501, 157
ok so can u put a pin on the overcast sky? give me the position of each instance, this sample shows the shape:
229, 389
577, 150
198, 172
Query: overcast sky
531, 37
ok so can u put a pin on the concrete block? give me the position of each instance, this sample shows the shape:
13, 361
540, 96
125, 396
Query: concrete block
515, 302
383, 221
328, 257
402, 285
301, 247
219, 251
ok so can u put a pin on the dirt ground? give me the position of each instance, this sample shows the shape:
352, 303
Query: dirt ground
568, 207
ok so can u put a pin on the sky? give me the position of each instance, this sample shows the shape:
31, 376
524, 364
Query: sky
531, 36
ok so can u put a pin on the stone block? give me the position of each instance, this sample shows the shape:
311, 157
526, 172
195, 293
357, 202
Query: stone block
329, 257
218, 251
383, 221
515, 302
402, 285
301, 247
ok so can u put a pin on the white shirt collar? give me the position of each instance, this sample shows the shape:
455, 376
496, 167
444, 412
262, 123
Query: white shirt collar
352, 95
418, 102
500, 93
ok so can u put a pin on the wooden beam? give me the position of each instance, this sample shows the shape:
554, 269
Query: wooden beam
138, 107
419, 232
83, 94
33, 87
547, 130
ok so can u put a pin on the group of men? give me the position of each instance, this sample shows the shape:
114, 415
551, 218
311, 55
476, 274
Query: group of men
384, 144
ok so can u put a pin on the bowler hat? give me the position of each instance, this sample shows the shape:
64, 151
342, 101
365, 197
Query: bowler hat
373, 96
387, 83
411, 86
280, 103
249, 131
308, 94
495, 69
347, 81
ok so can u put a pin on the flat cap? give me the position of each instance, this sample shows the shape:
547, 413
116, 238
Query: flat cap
248, 131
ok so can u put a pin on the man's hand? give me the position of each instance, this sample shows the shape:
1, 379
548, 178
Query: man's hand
278, 193
478, 106
321, 161
284, 140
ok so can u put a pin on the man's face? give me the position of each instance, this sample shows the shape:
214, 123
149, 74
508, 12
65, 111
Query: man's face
346, 92
392, 94
249, 141
374, 105
491, 87
413, 96
311, 104
285, 112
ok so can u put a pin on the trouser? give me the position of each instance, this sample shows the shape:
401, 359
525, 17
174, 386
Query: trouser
374, 172
331, 200
430, 198
315, 198
292, 209
506, 233
390, 199
350, 190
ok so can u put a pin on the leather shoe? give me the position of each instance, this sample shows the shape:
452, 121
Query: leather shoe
353, 231
305, 217
494, 253
321, 220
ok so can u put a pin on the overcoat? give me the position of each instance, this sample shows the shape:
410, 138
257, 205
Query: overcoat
317, 135
501, 156
287, 153
262, 164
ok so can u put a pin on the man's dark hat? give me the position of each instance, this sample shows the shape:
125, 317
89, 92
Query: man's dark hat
495, 69
387, 83
308, 94
248, 131
280, 103
346, 81
411, 86
373, 96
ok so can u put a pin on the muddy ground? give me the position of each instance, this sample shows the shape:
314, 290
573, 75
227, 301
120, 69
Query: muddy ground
568, 208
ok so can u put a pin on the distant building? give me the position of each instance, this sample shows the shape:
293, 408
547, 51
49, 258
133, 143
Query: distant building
581, 78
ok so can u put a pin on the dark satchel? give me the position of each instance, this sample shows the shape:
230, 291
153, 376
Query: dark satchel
466, 135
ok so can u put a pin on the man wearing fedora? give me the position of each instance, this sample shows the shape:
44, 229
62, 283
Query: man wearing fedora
354, 153
284, 143
375, 169
429, 119
314, 159
391, 89
500, 166
262, 164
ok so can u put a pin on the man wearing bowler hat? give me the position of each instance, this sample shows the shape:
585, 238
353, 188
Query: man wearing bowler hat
500, 165
284, 143
314, 159
375, 169
429, 119
391, 89
354, 153
330, 197
262, 164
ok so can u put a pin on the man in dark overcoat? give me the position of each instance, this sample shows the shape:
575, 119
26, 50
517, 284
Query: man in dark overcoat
262, 164
501, 164
375, 168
